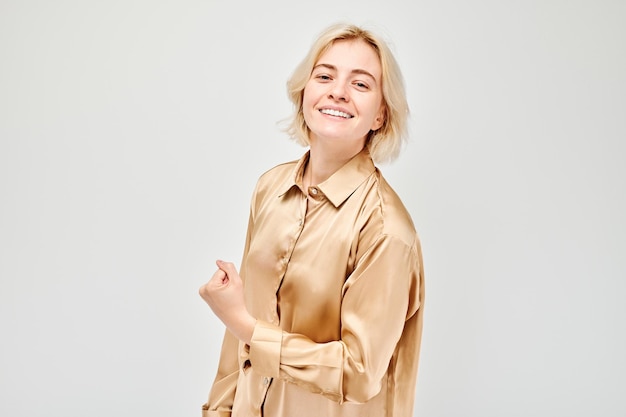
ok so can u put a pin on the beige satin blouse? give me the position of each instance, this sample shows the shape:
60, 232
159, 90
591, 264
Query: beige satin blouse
337, 290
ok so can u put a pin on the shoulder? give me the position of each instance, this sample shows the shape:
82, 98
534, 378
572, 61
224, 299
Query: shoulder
278, 171
274, 181
393, 219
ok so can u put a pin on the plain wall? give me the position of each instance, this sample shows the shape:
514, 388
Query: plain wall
132, 133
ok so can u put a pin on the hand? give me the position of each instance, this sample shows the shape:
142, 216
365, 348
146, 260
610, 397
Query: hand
224, 294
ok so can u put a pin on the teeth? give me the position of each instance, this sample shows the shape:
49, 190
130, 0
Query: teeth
336, 113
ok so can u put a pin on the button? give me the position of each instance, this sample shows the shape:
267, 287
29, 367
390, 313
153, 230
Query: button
266, 381
314, 191
301, 222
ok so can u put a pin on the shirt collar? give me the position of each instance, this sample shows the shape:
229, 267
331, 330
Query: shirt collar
339, 186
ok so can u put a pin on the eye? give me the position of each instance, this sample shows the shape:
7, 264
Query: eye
323, 77
361, 85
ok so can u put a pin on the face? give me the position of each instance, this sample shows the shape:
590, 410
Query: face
343, 98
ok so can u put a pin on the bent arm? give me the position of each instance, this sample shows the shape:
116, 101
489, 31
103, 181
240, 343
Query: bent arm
379, 298
222, 394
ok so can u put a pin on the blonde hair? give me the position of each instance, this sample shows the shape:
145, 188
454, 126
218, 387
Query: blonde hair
385, 143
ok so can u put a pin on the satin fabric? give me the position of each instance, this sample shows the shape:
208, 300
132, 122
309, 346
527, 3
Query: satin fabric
337, 290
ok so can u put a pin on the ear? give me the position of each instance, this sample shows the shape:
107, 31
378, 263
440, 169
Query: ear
380, 118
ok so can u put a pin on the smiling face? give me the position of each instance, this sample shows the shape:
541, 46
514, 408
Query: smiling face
343, 98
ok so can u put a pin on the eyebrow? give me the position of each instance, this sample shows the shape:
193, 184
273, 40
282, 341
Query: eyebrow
354, 71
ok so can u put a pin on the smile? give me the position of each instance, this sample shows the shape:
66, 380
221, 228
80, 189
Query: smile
336, 113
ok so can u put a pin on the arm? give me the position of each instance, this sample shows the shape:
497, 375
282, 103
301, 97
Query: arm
379, 298
222, 393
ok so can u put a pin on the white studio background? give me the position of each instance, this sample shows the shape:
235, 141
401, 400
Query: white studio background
132, 133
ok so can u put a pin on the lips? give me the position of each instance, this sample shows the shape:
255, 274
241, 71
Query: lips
336, 113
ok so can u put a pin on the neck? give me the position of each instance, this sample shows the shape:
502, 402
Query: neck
324, 162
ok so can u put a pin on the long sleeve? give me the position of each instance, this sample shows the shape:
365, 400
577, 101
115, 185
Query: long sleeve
334, 279
379, 298
222, 393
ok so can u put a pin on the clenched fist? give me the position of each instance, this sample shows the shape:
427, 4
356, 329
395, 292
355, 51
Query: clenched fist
224, 294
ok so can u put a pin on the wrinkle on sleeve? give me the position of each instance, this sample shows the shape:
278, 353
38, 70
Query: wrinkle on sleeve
222, 394
379, 298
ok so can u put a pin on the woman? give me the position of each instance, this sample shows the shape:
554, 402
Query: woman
325, 316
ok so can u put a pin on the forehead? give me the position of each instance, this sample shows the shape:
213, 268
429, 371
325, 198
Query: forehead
351, 55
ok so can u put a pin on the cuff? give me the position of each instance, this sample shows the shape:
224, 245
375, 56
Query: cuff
265, 349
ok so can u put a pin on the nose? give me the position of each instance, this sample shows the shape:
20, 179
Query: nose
338, 92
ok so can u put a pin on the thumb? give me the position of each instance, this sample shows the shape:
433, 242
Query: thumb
229, 268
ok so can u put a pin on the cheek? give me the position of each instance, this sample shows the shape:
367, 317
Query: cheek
306, 98
379, 119
376, 109
308, 95
308, 102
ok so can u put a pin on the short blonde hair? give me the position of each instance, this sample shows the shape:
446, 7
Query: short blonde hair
385, 143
